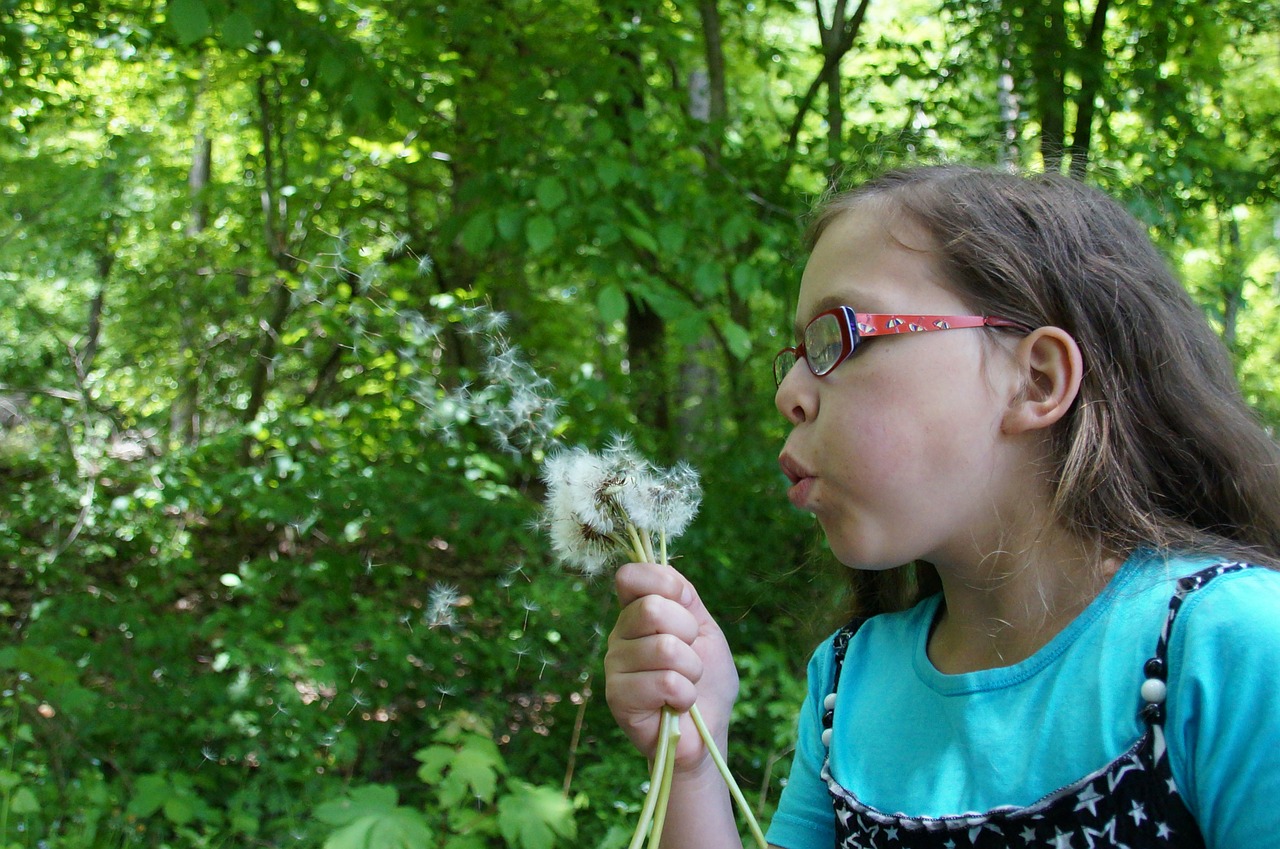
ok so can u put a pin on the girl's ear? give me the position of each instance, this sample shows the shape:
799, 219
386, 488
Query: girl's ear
1052, 368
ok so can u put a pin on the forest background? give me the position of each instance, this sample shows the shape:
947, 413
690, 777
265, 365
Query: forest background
296, 296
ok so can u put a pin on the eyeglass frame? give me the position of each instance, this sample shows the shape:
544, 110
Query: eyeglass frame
856, 325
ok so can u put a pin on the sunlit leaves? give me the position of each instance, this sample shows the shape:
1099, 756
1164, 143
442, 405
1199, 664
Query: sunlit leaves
190, 19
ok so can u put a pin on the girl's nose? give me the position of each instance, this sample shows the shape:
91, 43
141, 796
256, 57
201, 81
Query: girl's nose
795, 398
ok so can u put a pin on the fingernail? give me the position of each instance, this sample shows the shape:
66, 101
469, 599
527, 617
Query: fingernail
686, 596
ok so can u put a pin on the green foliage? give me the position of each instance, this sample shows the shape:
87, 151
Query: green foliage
269, 457
475, 803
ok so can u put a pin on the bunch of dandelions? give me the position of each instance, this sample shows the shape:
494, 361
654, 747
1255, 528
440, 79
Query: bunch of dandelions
605, 508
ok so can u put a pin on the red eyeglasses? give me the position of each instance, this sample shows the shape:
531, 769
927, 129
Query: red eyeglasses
832, 336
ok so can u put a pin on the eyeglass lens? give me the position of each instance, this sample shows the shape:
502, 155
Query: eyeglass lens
823, 343
782, 365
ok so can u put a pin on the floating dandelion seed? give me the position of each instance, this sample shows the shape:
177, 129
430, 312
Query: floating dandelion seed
546, 660
520, 652
530, 606
442, 599
358, 668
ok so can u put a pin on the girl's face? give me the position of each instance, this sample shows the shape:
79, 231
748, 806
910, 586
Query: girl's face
898, 451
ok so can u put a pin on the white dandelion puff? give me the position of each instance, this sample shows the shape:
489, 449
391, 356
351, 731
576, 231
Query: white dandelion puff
601, 508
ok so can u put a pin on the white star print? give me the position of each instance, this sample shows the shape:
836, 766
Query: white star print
1090, 799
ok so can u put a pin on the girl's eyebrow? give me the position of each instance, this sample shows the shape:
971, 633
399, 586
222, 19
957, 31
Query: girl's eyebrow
865, 304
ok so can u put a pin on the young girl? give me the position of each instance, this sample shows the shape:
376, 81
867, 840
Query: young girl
1074, 484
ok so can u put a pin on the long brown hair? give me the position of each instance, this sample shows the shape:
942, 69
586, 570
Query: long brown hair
1160, 449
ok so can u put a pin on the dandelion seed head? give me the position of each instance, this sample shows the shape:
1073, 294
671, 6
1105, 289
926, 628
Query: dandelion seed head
581, 547
664, 501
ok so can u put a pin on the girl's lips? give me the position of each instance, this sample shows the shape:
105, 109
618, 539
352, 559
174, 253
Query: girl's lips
802, 480
798, 494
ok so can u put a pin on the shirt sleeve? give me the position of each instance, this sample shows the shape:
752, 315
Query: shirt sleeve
1223, 726
805, 818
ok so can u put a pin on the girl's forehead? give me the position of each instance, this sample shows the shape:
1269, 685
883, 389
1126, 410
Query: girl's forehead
873, 262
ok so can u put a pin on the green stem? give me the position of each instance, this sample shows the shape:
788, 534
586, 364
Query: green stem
734, 790
671, 729
639, 550
656, 772
648, 547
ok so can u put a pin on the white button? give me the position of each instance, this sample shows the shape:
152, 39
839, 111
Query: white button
1154, 690
826, 738
830, 701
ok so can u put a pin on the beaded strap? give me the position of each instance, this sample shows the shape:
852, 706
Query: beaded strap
1155, 689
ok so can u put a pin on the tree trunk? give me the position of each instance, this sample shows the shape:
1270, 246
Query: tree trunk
1092, 66
1047, 43
831, 56
274, 224
646, 330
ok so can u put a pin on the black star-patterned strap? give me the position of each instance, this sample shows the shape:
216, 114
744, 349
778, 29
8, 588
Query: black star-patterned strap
1157, 666
839, 646
1132, 802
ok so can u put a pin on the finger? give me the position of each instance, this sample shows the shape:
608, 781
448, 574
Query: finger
655, 614
635, 580
636, 697
655, 653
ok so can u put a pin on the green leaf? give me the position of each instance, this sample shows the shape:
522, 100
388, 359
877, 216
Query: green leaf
612, 303
24, 802
189, 19
738, 340
540, 233
551, 193
708, 278
533, 817
237, 30
354, 835
149, 795
510, 219
179, 810
477, 235
478, 769
616, 838
373, 800
671, 236
468, 841
611, 172
403, 828
330, 70
641, 238
435, 759
746, 279
398, 828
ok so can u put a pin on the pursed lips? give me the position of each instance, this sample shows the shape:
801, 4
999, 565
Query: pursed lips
801, 480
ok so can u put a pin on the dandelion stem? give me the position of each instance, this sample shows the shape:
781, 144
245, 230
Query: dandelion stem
658, 769
638, 549
662, 542
671, 726
648, 546
734, 790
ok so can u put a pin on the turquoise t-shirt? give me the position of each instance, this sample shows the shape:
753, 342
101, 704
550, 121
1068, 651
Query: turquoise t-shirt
909, 739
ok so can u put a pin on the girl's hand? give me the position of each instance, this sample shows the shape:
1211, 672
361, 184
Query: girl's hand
666, 650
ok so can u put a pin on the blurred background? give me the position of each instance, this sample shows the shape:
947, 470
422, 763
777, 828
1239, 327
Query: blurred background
295, 297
